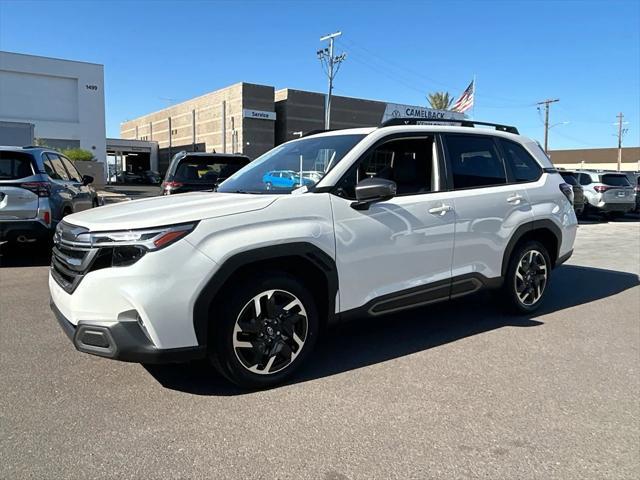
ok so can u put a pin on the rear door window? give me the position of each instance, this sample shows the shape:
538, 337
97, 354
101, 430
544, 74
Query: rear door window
523, 167
71, 169
569, 178
205, 170
58, 167
15, 165
474, 161
585, 179
616, 180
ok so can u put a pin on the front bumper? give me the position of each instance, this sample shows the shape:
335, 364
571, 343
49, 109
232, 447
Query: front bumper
124, 341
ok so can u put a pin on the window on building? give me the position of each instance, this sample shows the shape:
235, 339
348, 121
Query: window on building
474, 161
523, 167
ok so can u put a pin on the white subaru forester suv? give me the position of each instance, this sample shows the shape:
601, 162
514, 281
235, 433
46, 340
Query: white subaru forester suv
375, 221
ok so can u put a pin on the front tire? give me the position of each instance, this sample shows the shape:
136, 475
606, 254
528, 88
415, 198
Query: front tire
527, 277
264, 331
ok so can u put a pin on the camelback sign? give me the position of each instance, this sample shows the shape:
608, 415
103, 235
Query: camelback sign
429, 115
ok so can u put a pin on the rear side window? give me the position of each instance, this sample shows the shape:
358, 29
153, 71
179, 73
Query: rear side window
569, 178
616, 180
71, 169
48, 168
207, 170
585, 179
474, 161
523, 167
14, 165
58, 167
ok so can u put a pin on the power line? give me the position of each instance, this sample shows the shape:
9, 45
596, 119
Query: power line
352, 44
546, 104
332, 62
621, 133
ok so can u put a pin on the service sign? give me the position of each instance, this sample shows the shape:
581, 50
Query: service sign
259, 114
429, 115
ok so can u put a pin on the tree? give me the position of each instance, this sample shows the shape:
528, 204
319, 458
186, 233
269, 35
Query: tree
440, 100
78, 154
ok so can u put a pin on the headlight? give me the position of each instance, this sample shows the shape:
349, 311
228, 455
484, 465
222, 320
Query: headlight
148, 239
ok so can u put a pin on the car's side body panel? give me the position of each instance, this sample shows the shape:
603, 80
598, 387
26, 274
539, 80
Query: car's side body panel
391, 246
486, 219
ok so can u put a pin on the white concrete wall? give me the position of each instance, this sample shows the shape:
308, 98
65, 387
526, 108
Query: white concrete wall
62, 98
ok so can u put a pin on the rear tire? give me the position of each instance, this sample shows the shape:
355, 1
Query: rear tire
263, 330
527, 277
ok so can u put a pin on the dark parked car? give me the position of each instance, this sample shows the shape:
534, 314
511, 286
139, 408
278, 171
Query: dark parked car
578, 192
148, 177
128, 177
38, 187
191, 172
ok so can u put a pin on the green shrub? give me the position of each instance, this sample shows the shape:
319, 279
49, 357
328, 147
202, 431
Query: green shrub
78, 154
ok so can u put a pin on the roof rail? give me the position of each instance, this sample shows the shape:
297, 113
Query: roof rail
435, 121
315, 132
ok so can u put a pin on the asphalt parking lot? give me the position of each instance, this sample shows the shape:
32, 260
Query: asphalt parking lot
457, 390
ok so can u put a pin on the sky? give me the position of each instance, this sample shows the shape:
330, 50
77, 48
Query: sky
155, 53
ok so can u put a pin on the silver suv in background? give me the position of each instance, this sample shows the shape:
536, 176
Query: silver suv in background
634, 178
607, 192
38, 187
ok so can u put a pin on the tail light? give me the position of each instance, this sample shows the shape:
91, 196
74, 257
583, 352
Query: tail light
567, 190
42, 189
601, 188
47, 217
171, 185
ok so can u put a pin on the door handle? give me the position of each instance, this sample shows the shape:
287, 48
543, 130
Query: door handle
441, 210
515, 199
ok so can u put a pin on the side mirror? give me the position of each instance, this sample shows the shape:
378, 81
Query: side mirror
371, 190
87, 179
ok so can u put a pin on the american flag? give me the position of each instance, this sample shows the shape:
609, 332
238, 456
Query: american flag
465, 102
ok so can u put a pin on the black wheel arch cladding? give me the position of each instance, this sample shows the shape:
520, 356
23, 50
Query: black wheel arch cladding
539, 230
302, 250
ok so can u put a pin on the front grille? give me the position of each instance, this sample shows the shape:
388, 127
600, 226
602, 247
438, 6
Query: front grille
70, 261
69, 265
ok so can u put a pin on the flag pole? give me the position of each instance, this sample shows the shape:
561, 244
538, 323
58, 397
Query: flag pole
473, 109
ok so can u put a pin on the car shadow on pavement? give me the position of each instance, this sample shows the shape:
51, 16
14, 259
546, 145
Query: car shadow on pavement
369, 341
37, 255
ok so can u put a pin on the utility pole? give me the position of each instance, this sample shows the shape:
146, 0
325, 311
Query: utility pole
546, 104
620, 117
332, 64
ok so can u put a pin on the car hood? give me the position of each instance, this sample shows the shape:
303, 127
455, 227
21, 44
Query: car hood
168, 210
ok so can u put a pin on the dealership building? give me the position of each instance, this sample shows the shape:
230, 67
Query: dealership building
251, 119
59, 102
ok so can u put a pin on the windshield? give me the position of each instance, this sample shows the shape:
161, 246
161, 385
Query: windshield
291, 165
